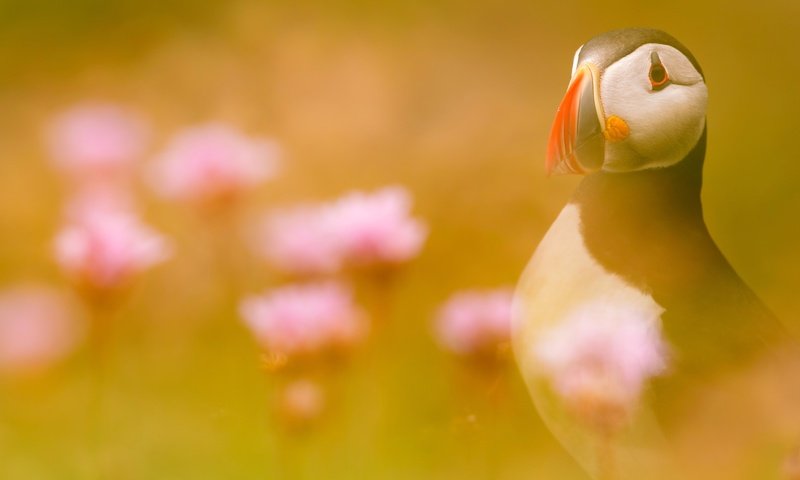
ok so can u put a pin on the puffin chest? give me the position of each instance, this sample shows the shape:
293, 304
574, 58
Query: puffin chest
563, 277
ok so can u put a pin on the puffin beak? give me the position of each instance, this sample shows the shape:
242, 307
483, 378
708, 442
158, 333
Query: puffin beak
576, 143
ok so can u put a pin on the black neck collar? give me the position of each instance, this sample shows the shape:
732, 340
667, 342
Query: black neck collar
635, 224
649, 191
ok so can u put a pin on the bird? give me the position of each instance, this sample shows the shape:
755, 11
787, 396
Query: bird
632, 243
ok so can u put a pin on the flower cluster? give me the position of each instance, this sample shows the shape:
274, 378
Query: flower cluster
305, 320
362, 230
374, 229
38, 328
475, 322
599, 360
103, 244
212, 164
302, 402
96, 141
103, 249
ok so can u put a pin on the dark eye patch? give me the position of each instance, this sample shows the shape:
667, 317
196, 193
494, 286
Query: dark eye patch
659, 78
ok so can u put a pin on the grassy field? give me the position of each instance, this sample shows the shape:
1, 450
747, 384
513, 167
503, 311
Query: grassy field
452, 100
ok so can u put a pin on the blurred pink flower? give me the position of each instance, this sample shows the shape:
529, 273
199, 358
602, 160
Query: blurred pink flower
300, 241
304, 319
104, 248
302, 401
38, 328
99, 199
600, 358
213, 163
91, 141
475, 322
377, 228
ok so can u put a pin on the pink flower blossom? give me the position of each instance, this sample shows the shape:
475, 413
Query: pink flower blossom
103, 249
302, 401
300, 241
99, 199
304, 319
92, 141
599, 359
213, 163
37, 329
377, 228
475, 322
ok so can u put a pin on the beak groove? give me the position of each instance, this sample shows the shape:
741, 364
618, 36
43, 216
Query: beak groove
576, 142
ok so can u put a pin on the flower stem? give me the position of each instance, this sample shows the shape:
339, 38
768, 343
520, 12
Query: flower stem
605, 456
101, 313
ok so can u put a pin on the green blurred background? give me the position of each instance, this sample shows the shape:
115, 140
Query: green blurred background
453, 100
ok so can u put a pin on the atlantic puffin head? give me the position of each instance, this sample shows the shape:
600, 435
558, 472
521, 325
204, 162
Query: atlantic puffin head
637, 100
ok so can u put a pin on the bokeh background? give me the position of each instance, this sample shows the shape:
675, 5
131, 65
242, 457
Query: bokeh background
452, 99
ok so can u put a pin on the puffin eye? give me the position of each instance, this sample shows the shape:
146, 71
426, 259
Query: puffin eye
659, 78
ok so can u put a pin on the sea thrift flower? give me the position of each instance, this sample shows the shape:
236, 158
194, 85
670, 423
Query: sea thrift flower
105, 249
37, 329
300, 241
213, 163
92, 141
304, 319
377, 228
302, 401
599, 359
475, 322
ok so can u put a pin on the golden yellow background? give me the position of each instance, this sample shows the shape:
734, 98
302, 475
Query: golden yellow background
453, 99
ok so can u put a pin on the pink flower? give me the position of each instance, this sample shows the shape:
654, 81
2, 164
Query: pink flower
599, 359
300, 241
37, 329
92, 141
104, 249
304, 319
302, 401
475, 322
213, 163
99, 198
377, 228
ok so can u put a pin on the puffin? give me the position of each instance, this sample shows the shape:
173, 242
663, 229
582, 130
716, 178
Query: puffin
633, 236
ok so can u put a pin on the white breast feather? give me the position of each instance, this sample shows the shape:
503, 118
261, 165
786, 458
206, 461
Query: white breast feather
562, 277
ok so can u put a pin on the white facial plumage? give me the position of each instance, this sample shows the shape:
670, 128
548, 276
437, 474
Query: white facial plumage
665, 124
575, 60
